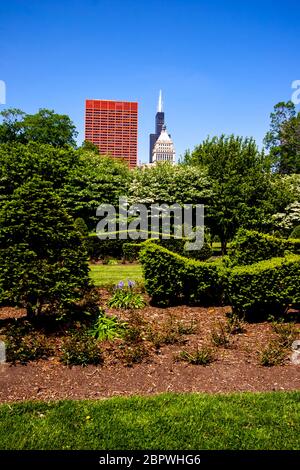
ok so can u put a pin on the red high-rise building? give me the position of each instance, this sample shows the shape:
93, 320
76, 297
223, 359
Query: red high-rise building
112, 126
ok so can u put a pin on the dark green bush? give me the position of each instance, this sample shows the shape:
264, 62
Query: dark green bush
131, 251
79, 348
250, 247
101, 249
81, 226
171, 278
201, 255
267, 287
296, 233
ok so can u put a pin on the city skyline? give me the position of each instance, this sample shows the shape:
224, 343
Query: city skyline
223, 71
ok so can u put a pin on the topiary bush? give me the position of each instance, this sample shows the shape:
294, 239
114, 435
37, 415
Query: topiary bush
101, 249
263, 288
250, 247
171, 278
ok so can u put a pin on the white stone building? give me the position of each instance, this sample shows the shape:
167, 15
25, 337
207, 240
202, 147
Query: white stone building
163, 150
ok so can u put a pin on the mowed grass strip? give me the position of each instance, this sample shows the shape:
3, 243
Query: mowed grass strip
103, 275
167, 421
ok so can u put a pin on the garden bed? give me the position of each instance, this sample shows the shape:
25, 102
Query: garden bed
235, 366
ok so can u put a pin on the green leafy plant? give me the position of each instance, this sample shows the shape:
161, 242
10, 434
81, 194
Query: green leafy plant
79, 348
201, 356
273, 354
107, 328
126, 297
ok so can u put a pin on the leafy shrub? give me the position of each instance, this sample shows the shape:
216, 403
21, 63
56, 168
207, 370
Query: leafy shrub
44, 265
202, 356
101, 249
219, 336
201, 255
287, 333
135, 354
126, 297
107, 328
295, 233
272, 355
265, 287
131, 251
81, 226
250, 246
80, 349
23, 344
134, 332
171, 332
235, 324
171, 278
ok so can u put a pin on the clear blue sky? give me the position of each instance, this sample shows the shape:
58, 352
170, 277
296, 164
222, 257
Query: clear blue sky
222, 65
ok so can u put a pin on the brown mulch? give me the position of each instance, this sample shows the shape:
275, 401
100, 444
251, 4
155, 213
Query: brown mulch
235, 368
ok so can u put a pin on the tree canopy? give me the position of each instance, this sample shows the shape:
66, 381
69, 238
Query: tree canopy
82, 179
283, 139
45, 127
240, 183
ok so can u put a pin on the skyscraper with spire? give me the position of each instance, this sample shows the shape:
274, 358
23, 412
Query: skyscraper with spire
159, 123
161, 145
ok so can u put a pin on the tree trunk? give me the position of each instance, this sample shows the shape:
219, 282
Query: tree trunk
30, 311
223, 246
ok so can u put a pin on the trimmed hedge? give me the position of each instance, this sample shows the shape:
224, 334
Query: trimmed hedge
102, 249
267, 287
131, 250
250, 247
171, 278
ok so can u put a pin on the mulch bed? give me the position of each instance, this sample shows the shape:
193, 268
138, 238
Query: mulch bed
235, 368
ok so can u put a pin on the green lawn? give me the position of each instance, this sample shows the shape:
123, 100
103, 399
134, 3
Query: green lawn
167, 421
104, 274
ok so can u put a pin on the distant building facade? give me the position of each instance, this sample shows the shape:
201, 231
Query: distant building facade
112, 126
161, 147
163, 150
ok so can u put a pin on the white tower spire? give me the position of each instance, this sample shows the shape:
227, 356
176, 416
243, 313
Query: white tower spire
160, 103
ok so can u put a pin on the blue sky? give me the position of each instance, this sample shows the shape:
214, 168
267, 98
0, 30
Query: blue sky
222, 65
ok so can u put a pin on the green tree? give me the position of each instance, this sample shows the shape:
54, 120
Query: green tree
43, 262
88, 146
81, 226
94, 180
82, 179
11, 129
166, 183
45, 127
240, 176
283, 139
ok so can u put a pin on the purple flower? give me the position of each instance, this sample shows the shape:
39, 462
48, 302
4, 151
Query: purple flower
131, 284
120, 285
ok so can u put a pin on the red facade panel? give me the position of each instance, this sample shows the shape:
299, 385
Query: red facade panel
112, 126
